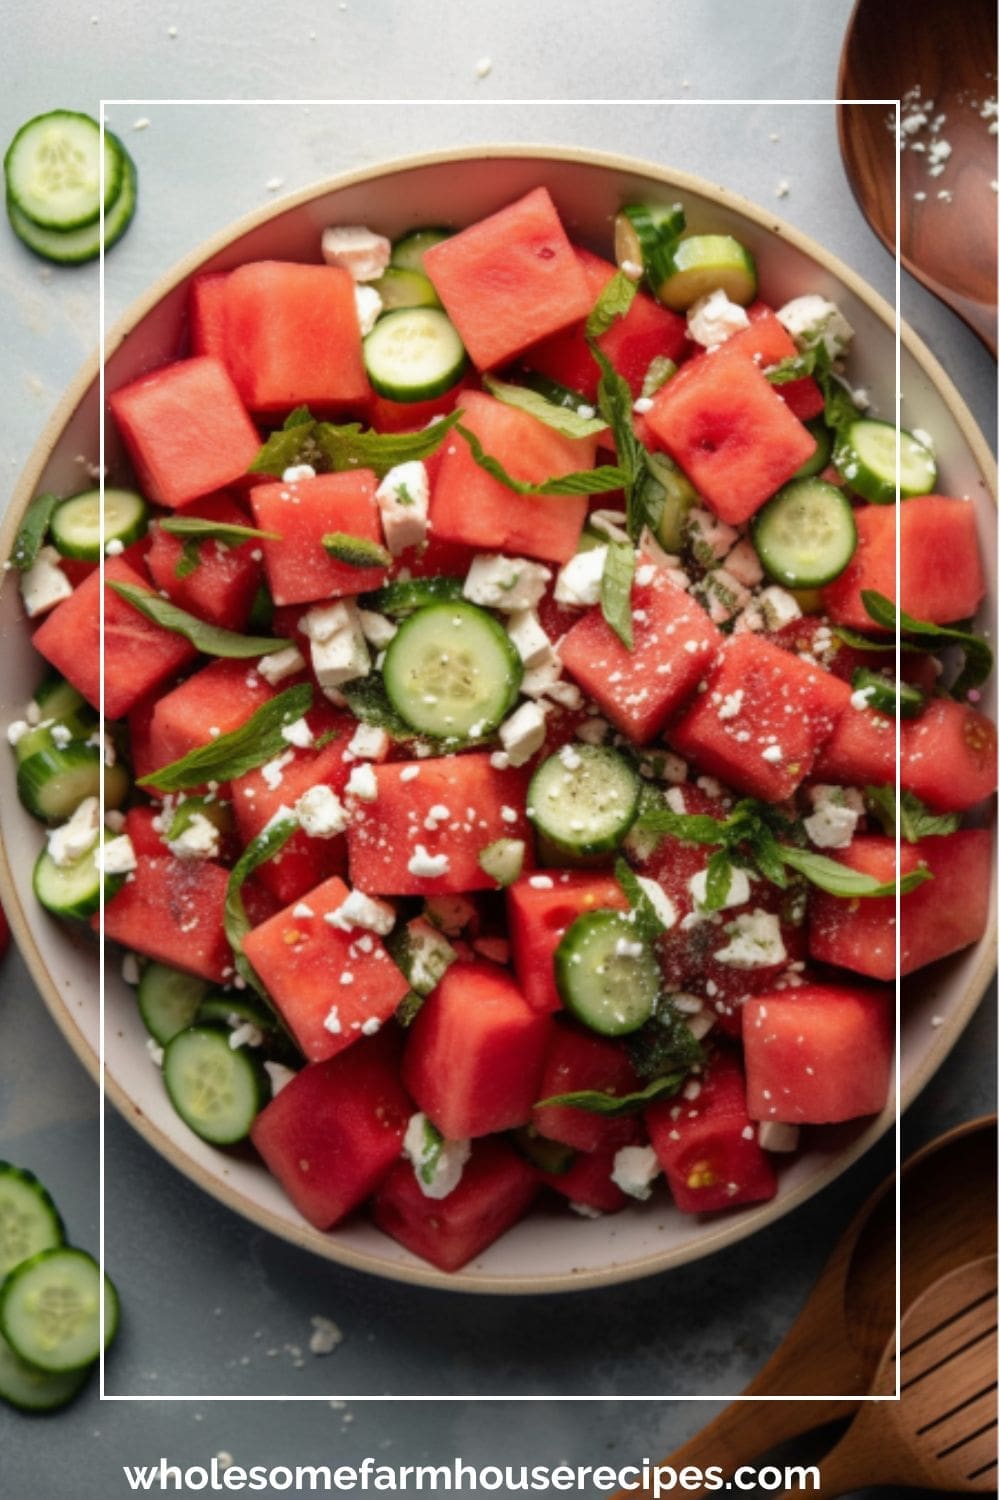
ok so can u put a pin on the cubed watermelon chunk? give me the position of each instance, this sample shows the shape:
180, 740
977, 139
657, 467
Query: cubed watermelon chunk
587, 1182
496, 1190
861, 751
207, 314
213, 701
580, 1060
940, 567
509, 279
386, 836
475, 1053
707, 1145
939, 917
731, 433
949, 755
293, 338
538, 917
171, 911
334, 1132
186, 430
222, 587
674, 641
762, 719
468, 505
138, 654
818, 1054
299, 569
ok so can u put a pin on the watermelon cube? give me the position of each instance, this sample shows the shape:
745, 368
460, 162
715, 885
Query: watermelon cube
939, 917
509, 279
538, 918
497, 1188
468, 505
207, 314
171, 910
861, 751
213, 701
331, 1136
222, 587
674, 641
580, 1060
707, 1145
138, 654
949, 755
394, 842
762, 719
818, 1054
293, 337
730, 432
475, 1053
299, 569
186, 430
588, 1182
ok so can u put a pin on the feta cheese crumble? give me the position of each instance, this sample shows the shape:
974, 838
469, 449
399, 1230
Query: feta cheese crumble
71, 840
359, 910
579, 581
281, 664
523, 733
506, 583
356, 249
44, 585
320, 813
437, 1163
634, 1170
714, 318
199, 839
427, 866
755, 942
815, 320
403, 499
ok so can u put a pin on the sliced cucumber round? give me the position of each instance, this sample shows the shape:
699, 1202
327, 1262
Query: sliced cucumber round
29, 1220
865, 458
399, 287
72, 247
644, 232
414, 354
584, 799
404, 595
824, 446
59, 700
76, 523
229, 1010
50, 1310
72, 890
53, 781
408, 253
452, 671
216, 1089
805, 535
552, 391
703, 263
169, 1001
609, 979
53, 167
27, 1388
668, 495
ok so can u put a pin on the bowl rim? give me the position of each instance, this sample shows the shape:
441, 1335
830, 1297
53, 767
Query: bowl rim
725, 1230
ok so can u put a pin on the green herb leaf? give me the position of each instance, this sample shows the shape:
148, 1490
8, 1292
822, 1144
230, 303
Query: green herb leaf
613, 303
838, 880
599, 481
839, 408
977, 653
403, 595
915, 819
613, 1106
616, 590
562, 419
356, 551
693, 828
329, 448
408, 1008
33, 531
648, 926
793, 367
241, 750
368, 701
718, 879
430, 1152
269, 842
297, 417
665, 1045
894, 699
212, 640
860, 642
200, 529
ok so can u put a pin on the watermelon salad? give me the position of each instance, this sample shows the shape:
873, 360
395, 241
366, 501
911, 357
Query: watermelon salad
499, 769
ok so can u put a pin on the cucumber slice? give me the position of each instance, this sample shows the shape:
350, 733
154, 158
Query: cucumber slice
27, 1388
546, 1155
608, 978
644, 232
404, 595
865, 457
29, 1220
50, 1310
414, 354
805, 535
72, 890
408, 252
169, 1001
216, 1089
59, 700
230, 1010
452, 671
704, 263
824, 447
76, 523
584, 799
75, 246
399, 287
52, 169
503, 860
552, 391
889, 698
668, 495
52, 782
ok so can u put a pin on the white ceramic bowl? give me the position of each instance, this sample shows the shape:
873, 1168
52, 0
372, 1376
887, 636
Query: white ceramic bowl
551, 1250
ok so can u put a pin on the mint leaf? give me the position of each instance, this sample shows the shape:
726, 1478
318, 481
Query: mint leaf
33, 531
613, 303
916, 821
198, 528
599, 481
613, 1106
241, 750
616, 590
297, 417
356, 551
430, 1153
408, 1008
212, 640
718, 879
859, 642
838, 880
977, 653
564, 419
332, 449
793, 367
368, 701
665, 1045
235, 921
648, 926
894, 699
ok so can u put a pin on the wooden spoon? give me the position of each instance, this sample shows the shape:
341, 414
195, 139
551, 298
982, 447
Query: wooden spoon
949, 1210
941, 1433
946, 50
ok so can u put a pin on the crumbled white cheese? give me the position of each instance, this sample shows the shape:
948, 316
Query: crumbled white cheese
363, 783
661, 902
738, 892
131, 973
359, 910
714, 318
71, 840
155, 1051
523, 733
368, 742
116, 856
369, 305
339, 650
16, 731
320, 813
357, 249
709, 539
755, 942
634, 1170
403, 499
861, 698
332, 1022
437, 1164
579, 580
378, 629
279, 1075
273, 771
428, 955
722, 595
61, 735
815, 320
744, 564
244, 1034
325, 1336
296, 472
281, 664
428, 866
115, 547
539, 681
610, 523
44, 585
775, 1135
298, 734
532, 644
835, 815
199, 839
778, 607
505, 583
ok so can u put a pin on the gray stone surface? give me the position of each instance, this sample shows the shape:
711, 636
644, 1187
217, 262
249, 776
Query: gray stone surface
206, 1297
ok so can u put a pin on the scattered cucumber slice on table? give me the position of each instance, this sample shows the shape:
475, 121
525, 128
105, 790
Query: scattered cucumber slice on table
50, 1310
644, 232
452, 671
584, 803
608, 978
73, 247
29, 1220
72, 890
702, 263
30, 1389
52, 170
399, 287
408, 252
216, 1089
53, 781
805, 535
414, 354
76, 523
169, 1001
865, 457
824, 446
